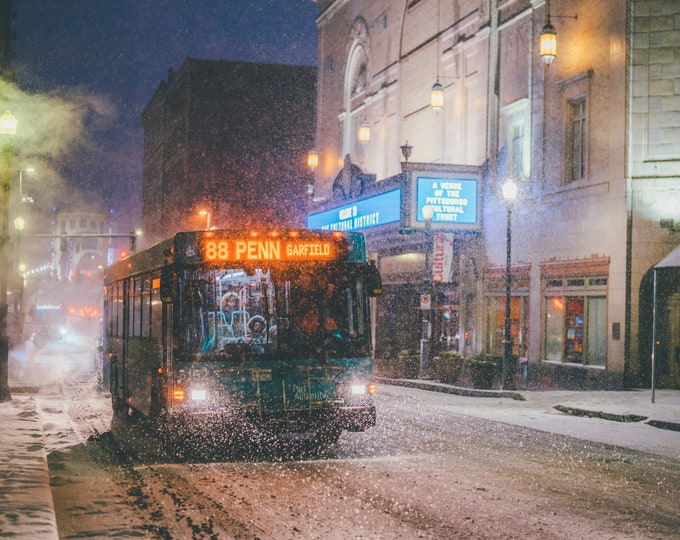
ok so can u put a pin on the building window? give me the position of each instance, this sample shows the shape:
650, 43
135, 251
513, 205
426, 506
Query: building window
577, 139
514, 155
519, 325
575, 321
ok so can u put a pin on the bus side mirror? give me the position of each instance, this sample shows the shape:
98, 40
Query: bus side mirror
168, 286
373, 281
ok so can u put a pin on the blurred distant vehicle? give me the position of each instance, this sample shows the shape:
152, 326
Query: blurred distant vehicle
46, 322
84, 312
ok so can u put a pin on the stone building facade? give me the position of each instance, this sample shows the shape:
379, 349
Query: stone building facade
591, 141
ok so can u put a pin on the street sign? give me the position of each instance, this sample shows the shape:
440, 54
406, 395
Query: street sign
425, 301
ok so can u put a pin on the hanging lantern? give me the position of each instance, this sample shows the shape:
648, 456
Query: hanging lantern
364, 134
548, 45
312, 160
437, 97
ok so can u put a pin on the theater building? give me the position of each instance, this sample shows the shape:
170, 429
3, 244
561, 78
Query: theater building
427, 108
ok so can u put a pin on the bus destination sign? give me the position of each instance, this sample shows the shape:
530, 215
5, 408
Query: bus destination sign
268, 249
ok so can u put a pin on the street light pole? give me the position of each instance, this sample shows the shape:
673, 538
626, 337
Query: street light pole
509, 194
8, 127
428, 212
19, 224
207, 215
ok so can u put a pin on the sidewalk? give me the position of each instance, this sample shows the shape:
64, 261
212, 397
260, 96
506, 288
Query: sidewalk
26, 508
618, 406
627, 419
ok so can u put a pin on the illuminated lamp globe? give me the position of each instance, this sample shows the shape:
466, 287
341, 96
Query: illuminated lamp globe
312, 160
509, 190
364, 134
548, 44
437, 97
428, 212
8, 124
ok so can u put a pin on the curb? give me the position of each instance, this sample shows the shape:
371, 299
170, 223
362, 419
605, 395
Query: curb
575, 411
435, 386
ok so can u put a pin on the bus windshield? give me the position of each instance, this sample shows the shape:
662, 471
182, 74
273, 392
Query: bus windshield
316, 311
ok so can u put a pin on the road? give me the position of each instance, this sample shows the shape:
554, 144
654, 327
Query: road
426, 471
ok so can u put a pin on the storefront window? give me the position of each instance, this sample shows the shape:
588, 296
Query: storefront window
518, 325
575, 325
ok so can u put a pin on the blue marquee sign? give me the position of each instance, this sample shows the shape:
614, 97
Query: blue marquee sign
371, 212
454, 200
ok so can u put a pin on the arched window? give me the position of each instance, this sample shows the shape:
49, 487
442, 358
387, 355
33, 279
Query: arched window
357, 78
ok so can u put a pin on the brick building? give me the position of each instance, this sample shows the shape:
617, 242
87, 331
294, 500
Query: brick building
227, 140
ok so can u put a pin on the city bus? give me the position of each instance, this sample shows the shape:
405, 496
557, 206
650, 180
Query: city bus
215, 332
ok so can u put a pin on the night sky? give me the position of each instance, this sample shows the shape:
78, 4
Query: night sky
99, 63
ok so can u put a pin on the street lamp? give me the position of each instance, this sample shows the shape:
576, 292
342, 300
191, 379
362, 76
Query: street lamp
426, 299
8, 127
19, 224
312, 164
22, 196
207, 215
18, 292
509, 194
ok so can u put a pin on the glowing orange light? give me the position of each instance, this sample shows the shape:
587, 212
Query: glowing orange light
558, 304
313, 160
178, 394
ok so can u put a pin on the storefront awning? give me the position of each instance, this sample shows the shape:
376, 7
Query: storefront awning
671, 260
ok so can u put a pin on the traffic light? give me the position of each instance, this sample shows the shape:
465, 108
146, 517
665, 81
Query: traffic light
133, 241
123, 253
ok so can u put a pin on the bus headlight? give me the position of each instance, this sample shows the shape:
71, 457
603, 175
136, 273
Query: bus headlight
179, 394
358, 389
198, 395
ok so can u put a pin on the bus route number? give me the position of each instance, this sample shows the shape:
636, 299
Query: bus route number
216, 250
